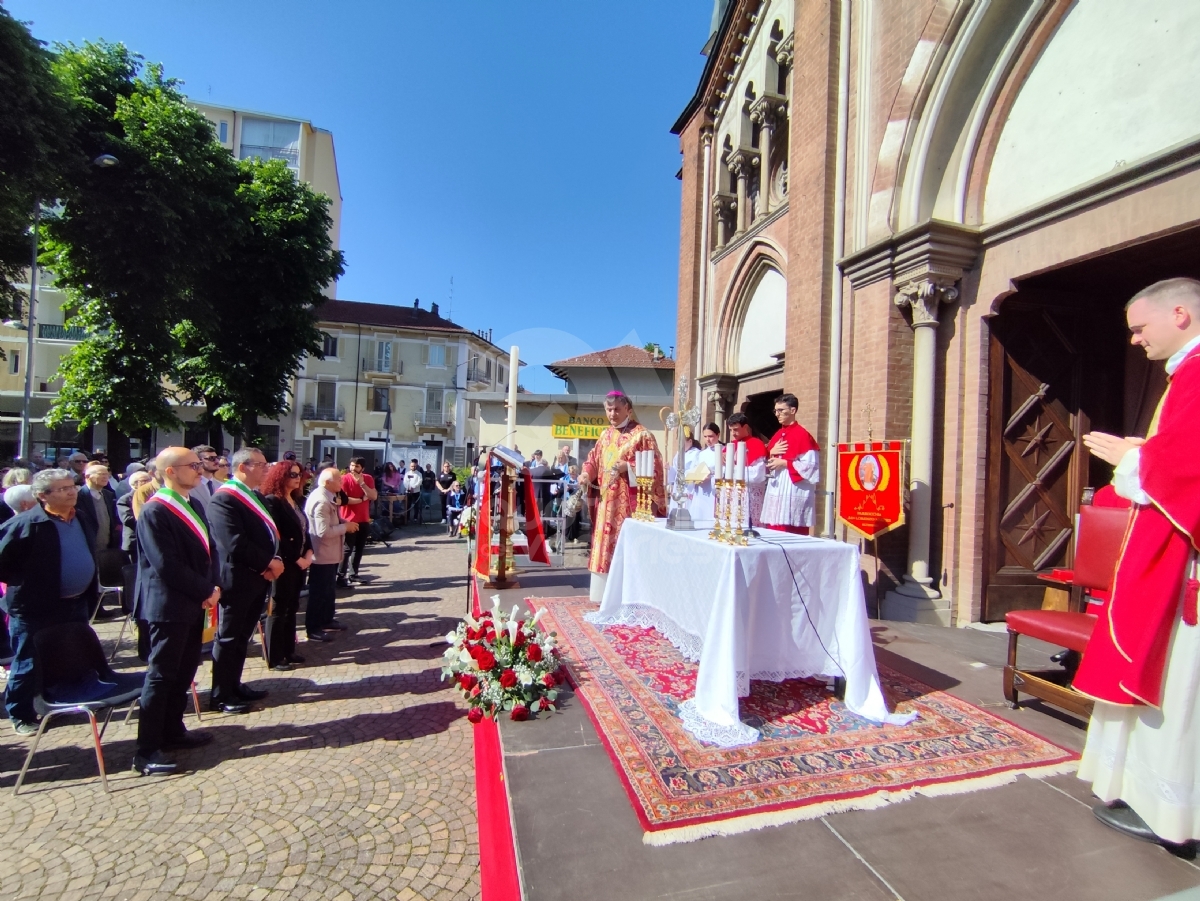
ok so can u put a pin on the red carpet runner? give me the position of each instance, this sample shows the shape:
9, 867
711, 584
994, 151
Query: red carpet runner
498, 877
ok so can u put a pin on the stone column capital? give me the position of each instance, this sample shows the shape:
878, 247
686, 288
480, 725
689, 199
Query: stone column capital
923, 295
768, 109
785, 53
706, 136
723, 203
742, 160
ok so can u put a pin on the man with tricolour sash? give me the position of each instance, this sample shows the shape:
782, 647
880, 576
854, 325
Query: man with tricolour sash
248, 543
176, 583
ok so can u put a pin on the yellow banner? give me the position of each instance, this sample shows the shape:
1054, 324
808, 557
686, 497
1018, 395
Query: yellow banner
566, 426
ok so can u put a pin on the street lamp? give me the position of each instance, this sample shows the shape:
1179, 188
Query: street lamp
103, 161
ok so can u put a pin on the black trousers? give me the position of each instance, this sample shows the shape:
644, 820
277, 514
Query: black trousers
281, 621
240, 612
174, 658
355, 543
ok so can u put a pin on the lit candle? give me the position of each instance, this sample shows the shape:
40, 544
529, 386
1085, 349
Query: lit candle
739, 465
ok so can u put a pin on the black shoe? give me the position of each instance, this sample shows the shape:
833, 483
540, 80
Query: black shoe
343, 582
187, 740
318, 636
335, 626
156, 764
295, 658
229, 706
246, 693
282, 667
1120, 816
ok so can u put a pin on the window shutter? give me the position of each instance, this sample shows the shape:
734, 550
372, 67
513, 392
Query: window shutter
451, 356
368, 353
424, 354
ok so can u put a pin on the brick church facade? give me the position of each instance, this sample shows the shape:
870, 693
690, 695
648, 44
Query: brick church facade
923, 218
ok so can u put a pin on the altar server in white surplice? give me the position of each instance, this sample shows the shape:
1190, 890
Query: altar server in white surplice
701, 505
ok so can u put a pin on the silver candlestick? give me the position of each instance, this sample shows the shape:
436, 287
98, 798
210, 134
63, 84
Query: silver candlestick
679, 518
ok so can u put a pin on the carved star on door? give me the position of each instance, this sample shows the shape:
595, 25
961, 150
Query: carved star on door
1039, 441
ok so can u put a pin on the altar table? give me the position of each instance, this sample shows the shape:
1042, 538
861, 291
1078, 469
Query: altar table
783, 607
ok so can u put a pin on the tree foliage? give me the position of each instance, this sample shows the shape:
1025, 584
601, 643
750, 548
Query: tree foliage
196, 276
35, 147
258, 318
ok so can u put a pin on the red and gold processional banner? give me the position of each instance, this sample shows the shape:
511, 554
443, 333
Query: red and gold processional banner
871, 486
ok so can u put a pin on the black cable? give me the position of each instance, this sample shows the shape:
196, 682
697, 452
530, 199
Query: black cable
804, 603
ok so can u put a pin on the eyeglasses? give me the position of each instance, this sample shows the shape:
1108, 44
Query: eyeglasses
252, 464
63, 489
294, 474
209, 458
194, 467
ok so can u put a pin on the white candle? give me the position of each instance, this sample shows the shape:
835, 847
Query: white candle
637, 464
720, 473
729, 457
645, 463
642, 464
739, 465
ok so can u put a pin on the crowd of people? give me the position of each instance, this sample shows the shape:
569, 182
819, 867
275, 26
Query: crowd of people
191, 537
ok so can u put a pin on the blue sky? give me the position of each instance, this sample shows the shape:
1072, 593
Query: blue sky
521, 148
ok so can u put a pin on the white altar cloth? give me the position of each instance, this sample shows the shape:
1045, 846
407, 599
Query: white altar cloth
744, 614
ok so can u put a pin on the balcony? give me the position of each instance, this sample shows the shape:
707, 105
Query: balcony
375, 366
51, 332
322, 413
436, 419
477, 376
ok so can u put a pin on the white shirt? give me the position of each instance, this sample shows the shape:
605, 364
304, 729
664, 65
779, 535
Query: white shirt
1126, 478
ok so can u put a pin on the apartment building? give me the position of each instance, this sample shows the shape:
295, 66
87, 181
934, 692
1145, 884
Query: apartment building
403, 366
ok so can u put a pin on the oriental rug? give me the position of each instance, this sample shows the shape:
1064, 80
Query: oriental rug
815, 757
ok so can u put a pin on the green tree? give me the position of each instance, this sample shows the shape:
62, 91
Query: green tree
134, 240
35, 147
256, 316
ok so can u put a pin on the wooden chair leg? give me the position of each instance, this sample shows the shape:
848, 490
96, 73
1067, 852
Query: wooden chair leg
262, 643
196, 703
1010, 669
99, 753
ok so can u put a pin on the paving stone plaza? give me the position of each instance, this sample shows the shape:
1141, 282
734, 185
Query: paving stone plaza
353, 779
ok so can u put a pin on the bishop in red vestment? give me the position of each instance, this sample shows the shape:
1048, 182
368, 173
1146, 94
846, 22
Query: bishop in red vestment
1142, 664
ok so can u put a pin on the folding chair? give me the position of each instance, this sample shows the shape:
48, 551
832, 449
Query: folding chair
73, 676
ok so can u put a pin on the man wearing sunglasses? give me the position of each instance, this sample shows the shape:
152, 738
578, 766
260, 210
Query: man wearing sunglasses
207, 484
176, 583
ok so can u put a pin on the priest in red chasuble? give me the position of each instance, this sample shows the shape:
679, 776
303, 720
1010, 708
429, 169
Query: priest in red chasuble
793, 468
1142, 664
609, 469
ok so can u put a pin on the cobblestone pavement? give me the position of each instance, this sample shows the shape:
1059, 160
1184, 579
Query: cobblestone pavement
353, 779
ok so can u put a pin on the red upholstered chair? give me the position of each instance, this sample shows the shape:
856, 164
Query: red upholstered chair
1098, 538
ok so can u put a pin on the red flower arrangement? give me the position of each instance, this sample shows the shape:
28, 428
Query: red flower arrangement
503, 664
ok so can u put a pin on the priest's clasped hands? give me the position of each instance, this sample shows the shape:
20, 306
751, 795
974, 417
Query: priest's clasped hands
778, 453
1110, 448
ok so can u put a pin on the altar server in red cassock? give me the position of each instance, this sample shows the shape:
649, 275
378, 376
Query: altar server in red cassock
793, 467
1142, 664
756, 468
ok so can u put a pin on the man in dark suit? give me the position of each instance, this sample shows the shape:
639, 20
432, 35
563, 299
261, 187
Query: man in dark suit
48, 562
247, 541
176, 582
208, 484
97, 510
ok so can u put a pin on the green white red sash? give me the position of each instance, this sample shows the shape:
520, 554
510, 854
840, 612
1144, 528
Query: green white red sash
250, 499
178, 505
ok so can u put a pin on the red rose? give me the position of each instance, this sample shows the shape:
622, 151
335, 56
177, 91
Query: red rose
476, 691
519, 640
548, 680
473, 650
534, 653
490, 636
508, 679
486, 614
466, 681
475, 714
485, 659
520, 712
544, 705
